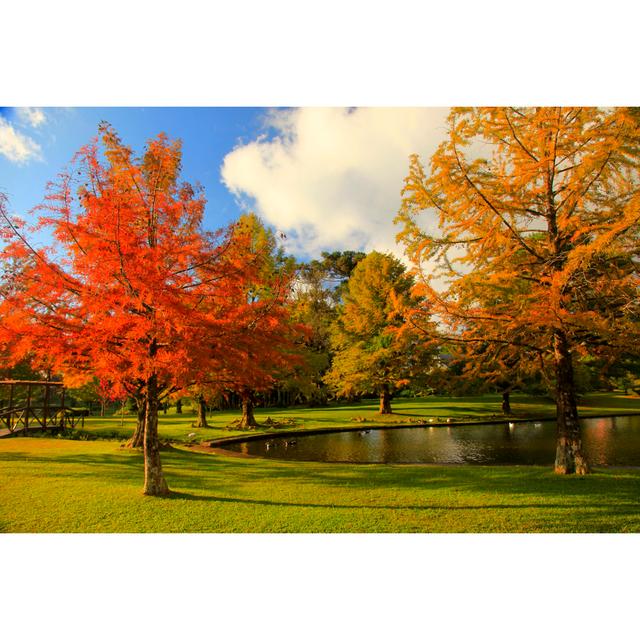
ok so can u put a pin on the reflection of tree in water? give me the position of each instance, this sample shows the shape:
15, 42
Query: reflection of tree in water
372, 445
598, 439
342, 447
613, 440
390, 446
513, 443
422, 444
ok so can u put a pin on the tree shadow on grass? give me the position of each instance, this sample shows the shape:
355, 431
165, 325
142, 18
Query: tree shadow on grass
620, 509
120, 466
612, 489
621, 402
614, 493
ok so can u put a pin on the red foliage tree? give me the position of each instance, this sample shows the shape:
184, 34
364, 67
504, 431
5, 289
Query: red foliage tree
129, 289
267, 341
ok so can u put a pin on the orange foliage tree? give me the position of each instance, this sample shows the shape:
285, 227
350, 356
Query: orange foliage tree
525, 239
130, 289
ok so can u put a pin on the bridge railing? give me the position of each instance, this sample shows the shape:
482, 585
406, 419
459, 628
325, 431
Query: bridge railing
24, 417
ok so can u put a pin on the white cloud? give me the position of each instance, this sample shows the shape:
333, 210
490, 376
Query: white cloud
16, 146
331, 178
33, 116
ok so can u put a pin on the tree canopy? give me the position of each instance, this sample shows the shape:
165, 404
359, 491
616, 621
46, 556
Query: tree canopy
131, 289
524, 234
374, 351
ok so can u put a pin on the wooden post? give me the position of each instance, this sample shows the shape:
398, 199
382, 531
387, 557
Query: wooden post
62, 410
46, 405
10, 416
26, 413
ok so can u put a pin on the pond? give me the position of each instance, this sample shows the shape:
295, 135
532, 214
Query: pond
608, 441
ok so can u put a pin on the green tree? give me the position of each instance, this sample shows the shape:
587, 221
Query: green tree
375, 352
318, 290
334, 270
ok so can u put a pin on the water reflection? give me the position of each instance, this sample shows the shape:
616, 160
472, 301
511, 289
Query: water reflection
608, 441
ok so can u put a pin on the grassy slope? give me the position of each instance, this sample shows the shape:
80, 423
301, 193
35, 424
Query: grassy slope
58, 485
177, 427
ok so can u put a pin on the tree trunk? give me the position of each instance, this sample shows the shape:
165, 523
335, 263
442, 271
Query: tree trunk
569, 455
179, 405
202, 413
506, 404
247, 421
385, 400
154, 482
137, 439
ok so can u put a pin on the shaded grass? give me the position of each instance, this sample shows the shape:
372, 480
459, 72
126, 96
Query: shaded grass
177, 427
62, 486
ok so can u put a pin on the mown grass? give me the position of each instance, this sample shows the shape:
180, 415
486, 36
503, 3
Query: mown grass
58, 485
177, 427
54, 485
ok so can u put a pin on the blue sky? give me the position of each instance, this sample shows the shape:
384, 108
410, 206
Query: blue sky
208, 134
328, 178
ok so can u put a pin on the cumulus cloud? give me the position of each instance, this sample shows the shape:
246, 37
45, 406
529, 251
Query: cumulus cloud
33, 116
331, 178
16, 146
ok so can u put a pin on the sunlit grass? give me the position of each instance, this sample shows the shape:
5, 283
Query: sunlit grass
51, 485
54, 484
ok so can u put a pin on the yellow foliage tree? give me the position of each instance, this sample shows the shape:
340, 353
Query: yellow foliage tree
374, 351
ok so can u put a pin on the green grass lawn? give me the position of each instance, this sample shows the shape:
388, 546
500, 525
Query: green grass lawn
52, 484
177, 427
56, 485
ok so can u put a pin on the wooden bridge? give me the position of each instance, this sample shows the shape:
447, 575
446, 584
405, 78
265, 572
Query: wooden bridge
42, 411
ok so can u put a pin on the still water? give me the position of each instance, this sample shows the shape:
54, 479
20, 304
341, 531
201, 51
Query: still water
608, 441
